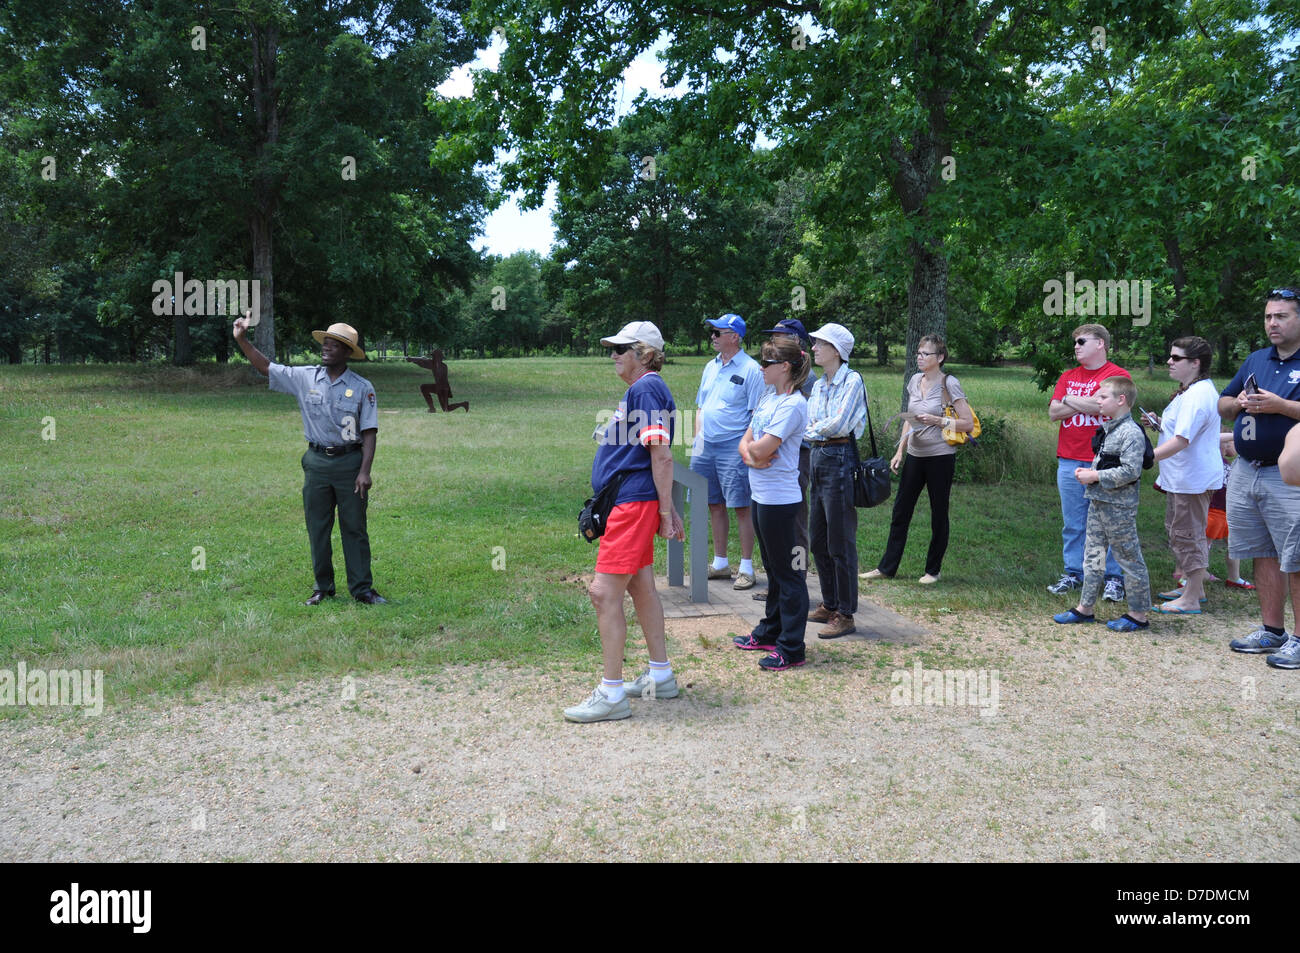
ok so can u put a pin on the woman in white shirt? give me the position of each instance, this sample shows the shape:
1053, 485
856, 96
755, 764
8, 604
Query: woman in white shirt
770, 448
1191, 468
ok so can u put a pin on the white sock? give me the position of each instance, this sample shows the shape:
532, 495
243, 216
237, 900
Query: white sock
747, 566
612, 690
720, 562
661, 671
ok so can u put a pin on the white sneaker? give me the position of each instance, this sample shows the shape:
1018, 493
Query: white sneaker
645, 686
599, 708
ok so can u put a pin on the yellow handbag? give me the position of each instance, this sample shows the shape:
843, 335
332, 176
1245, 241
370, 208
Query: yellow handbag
955, 437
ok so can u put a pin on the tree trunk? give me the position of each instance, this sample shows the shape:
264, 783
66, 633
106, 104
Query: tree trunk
916, 176
882, 349
265, 187
1175, 258
183, 353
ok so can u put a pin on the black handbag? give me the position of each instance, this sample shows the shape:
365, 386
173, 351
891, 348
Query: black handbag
595, 512
871, 485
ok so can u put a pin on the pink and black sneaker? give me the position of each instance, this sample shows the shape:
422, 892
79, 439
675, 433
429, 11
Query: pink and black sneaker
776, 662
751, 644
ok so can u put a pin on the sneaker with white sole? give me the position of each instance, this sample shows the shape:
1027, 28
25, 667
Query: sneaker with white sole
645, 686
1288, 656
1114, 590
1067, 583
1259, 642
599, 708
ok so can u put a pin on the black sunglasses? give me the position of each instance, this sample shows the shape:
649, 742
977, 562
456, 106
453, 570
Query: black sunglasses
1180, 357
765, 362
620, 348
1082, 341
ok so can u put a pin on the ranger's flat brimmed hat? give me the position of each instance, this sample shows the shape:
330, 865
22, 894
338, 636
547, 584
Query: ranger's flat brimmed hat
344, 333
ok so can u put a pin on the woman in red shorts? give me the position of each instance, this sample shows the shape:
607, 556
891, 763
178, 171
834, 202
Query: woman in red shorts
635, 447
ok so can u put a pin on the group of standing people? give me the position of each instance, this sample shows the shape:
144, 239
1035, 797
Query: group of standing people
765, 431
1096, 406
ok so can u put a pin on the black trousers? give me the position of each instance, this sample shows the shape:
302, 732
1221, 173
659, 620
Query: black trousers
935, 475
786, 611
833, 527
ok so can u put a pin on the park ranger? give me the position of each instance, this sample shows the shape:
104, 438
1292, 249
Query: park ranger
339, 420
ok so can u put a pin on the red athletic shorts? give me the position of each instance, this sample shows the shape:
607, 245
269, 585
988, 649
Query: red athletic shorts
1216, 526
629, 541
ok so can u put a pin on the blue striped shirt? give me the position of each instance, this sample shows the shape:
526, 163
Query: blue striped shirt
838, 407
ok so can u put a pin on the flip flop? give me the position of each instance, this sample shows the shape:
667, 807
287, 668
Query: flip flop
1238, 584
1175, 594
1164, 610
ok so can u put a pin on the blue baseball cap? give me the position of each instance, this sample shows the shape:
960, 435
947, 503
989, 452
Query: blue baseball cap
729, 322
789, 326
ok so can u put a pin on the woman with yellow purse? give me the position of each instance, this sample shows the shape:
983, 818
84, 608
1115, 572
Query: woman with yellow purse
927, 456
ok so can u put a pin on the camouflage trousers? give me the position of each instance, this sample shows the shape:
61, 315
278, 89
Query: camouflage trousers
1114, 527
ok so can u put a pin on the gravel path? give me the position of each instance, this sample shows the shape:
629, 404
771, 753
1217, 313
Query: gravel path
1103, 748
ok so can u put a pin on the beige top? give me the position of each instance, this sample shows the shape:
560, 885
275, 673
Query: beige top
926, 440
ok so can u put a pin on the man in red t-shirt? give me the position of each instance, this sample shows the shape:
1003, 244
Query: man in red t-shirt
1075, 407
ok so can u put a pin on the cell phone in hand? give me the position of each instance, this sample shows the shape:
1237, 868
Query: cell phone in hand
1151, 419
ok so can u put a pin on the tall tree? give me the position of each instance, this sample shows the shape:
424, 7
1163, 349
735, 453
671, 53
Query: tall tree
867, 94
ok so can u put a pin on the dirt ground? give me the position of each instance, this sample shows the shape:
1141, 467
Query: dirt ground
1103, 747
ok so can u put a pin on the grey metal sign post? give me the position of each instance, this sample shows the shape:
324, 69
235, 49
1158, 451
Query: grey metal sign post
685, 479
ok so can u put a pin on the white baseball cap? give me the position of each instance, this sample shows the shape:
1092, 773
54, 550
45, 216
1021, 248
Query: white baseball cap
837, 335
642, 331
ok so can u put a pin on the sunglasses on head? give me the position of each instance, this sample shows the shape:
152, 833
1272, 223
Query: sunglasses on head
1286, 294
620, 348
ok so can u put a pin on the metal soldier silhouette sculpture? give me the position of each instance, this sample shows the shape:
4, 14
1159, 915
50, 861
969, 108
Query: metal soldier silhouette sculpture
440, 386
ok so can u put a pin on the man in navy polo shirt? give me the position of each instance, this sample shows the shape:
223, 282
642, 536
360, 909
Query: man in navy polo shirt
1263, 510
730, 389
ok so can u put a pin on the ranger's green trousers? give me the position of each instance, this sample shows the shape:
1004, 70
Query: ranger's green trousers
330, 482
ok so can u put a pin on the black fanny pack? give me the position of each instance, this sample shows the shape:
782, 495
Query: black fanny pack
595, 512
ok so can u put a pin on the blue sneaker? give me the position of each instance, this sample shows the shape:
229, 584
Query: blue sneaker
1071, 616
1126, 623
1288, 656
1259, 642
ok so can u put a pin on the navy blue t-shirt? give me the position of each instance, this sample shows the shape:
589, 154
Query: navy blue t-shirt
1260, 437
645, 415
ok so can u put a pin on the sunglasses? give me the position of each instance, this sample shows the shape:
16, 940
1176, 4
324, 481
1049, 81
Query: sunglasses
1286, 294
1179, 357
620, 348
1082, 341
768, 362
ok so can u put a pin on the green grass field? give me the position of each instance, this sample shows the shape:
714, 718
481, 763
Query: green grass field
472, 521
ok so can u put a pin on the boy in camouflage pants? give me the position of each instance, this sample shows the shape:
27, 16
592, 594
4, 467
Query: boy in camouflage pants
1112, 486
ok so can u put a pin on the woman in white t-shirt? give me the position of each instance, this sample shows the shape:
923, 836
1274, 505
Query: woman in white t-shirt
770, 448
1191, 467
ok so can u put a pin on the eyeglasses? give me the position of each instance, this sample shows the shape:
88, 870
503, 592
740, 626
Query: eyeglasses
1286, 294
926, 353
620, 348
765, 362
1179, 357
1080, 342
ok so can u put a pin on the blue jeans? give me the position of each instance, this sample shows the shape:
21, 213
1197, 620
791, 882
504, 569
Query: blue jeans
1074, 520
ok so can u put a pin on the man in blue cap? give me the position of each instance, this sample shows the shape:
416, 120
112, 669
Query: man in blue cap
730, 389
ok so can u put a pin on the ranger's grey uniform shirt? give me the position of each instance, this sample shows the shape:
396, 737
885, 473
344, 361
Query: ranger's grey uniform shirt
334, 413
